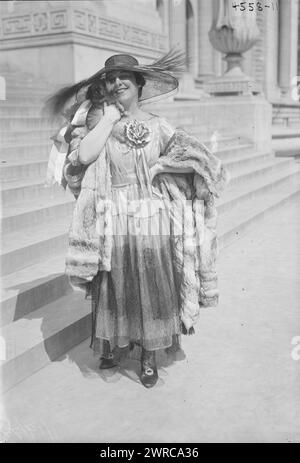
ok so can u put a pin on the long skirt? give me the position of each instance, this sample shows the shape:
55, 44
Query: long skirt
138, 300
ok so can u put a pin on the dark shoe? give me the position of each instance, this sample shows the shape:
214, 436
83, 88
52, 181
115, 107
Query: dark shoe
108, 362
149, 374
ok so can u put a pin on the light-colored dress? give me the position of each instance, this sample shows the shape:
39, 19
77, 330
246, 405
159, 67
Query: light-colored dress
138, 300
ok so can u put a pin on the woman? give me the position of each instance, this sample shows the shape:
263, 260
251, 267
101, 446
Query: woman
124, 244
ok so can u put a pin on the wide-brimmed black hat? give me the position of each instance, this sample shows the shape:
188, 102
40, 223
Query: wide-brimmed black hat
159, 77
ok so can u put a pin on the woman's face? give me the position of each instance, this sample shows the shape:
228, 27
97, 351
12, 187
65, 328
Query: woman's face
122, 85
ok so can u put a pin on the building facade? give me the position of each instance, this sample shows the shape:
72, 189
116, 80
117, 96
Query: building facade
64, 41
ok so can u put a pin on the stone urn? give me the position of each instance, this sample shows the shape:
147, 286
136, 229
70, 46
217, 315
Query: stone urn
233, 32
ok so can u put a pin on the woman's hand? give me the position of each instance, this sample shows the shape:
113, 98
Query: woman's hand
93, 143
159, 169
112, 113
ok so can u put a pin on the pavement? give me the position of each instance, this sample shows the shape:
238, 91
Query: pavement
236, 380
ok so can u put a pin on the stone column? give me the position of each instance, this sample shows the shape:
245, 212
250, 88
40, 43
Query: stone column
206, 58
270, 52
288, 44
162, 7
177, 16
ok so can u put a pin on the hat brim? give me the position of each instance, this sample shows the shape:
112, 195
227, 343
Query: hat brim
157, 82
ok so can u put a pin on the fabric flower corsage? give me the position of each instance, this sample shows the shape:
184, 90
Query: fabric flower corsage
137, 134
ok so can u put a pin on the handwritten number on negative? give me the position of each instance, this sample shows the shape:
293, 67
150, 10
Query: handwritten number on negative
250, 6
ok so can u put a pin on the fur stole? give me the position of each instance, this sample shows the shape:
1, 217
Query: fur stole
196, 247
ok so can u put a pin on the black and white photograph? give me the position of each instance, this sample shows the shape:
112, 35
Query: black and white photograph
150, 224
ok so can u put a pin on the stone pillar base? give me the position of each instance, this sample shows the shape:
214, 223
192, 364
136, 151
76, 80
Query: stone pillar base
234, 82
188, 90
247, 118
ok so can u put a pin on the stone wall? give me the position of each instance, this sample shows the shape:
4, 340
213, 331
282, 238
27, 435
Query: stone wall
63, 41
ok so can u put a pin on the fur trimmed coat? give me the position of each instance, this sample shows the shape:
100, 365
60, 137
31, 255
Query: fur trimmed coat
193, 208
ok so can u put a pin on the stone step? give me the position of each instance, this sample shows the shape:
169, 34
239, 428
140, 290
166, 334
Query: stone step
33, 287
256, 188
8, 68
25, 98
42, 336
35, 151
251, 159
294, 120
11, 170
8, 109
286, 147
23, 248
284, 132
22, 215
279, 121
15, 84
244, 174
31, 86
26, 95
286, 120
29, 189
245, 215
286, 112
16, 123
26, 136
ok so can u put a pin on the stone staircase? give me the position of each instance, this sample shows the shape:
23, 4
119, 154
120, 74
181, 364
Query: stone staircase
286, 141
286, 130
286, 114
41, 316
